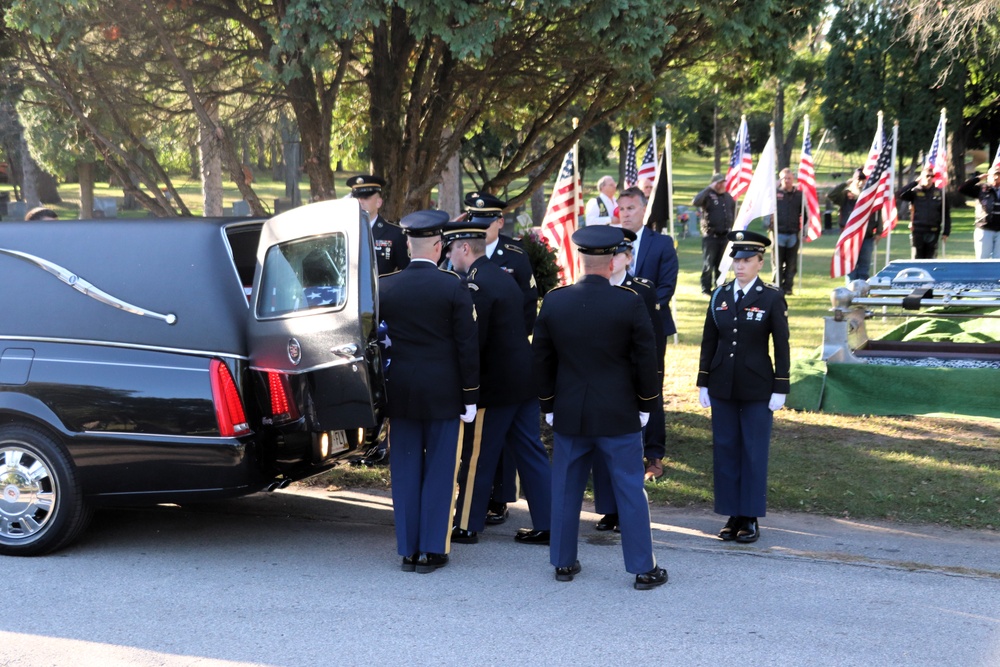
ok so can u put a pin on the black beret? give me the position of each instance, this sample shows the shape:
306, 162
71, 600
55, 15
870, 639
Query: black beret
598, 239
365, 185
484, 206
747, 243
424, 223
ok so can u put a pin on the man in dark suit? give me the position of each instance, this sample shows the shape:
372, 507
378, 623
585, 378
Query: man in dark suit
655, 259
738, 382
595, 357
390, 255
432, 385
508, 404
506, 253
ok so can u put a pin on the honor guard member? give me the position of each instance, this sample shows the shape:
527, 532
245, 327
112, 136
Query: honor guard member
604, 497
595, 358
390, 243
505, 252
508, 413
390, 255
434, 384
737, 380
930, 218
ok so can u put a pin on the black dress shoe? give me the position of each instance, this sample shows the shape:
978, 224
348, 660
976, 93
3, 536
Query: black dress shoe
728, 533
655, 577
464, 536
567, 573
376, 456
749, 531
496, 513
608, 522
428, 562
529, 536
410, 563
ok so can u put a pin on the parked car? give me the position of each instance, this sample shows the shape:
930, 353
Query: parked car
151, 361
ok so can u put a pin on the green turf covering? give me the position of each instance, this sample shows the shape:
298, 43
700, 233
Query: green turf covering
859, 389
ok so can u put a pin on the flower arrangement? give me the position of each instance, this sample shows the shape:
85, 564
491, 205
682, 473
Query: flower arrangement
543, 260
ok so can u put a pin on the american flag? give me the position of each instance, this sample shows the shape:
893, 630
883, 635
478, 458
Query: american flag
565, 207
996, 160
648, 167
631, 173
807, 182
740, 163
845, 255
937, 158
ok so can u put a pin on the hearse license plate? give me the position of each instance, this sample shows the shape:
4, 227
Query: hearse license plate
338, 441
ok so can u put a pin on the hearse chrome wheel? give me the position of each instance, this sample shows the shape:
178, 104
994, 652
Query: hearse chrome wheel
41, 507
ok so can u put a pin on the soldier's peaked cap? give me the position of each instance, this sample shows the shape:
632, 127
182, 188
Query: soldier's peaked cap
627, 242
424, 223
598, 239
747, 243
465, 229
484, 205
365, 185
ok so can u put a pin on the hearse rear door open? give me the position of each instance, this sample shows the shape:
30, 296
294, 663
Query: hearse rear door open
314, 312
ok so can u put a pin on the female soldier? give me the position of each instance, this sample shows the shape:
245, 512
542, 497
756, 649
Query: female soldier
737, 380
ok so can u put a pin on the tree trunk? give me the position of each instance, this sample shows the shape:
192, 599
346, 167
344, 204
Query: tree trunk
538, 206
211, 165
195, 161
779, 126
48, 188
622, 150
450, 189
29, 176
85, 172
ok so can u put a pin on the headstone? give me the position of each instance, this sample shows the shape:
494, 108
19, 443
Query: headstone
241, 208
16, 210
105, 207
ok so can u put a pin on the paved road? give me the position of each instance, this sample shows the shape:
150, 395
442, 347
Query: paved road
311, 578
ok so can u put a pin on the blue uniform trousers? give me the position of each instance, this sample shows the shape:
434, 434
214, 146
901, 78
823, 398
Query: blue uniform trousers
513, 429
741, 439
572, 460
424, 465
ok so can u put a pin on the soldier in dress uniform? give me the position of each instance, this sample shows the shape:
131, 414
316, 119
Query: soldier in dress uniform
604, 497
595, 355
507, 398
433, 388
739, 383
505, 252
390, 255
390, 242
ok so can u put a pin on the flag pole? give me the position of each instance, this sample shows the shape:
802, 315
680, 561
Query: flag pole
669, 176
656, 156
802, 201
944, 136
888, 237
776, 257
578, 195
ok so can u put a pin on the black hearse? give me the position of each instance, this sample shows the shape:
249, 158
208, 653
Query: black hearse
176, 360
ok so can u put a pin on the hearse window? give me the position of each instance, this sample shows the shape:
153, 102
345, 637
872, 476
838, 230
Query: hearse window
304, 274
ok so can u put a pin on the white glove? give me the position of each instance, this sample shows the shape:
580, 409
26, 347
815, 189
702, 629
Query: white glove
548, 418
470, 414
703, 398
776, 403
643, 418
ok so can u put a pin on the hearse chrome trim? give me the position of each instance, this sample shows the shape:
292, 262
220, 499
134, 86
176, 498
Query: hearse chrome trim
86, 288
130, 346
317, 367
230, 440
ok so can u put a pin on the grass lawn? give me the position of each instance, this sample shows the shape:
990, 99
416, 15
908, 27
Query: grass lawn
909, 468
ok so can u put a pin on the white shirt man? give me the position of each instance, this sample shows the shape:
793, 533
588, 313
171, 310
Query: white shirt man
600, 210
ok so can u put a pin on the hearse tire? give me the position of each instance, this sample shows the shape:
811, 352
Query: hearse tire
41, 503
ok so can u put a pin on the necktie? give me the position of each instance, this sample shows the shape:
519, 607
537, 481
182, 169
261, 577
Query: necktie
739, 293
635, 256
